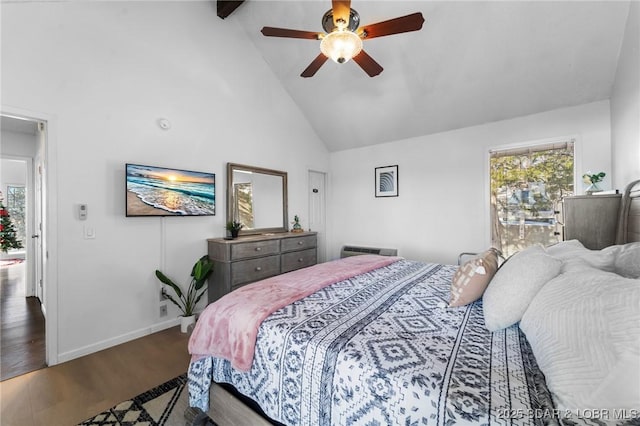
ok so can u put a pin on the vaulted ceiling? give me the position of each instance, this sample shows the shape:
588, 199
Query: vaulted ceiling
472, 63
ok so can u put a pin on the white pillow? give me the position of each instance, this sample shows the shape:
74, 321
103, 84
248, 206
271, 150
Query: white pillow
574, 265
584, 330
602, 259
566, 249
574, 255
515, 284
627, 262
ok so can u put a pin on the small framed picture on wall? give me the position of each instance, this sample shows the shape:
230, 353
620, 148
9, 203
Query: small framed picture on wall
387, 181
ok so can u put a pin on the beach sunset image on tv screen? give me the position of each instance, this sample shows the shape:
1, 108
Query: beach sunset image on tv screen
160, 191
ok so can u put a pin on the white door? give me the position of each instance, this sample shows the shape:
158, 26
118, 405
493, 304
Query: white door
37, 232
317, 210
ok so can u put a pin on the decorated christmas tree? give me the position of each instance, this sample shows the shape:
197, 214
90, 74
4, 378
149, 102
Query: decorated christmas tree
7, 230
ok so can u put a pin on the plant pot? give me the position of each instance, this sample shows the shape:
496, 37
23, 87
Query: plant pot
185, 322
234, 233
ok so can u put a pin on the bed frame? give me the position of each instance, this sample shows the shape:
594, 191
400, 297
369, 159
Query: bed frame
228, 408
629, 218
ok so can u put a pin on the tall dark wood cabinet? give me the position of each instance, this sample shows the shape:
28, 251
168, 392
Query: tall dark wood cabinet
251, 258
591, 219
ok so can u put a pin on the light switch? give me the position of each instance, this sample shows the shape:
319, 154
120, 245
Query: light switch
89, 233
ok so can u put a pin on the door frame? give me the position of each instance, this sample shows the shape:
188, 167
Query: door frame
49, 235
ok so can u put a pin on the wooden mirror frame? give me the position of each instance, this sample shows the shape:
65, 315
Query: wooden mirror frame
232, 167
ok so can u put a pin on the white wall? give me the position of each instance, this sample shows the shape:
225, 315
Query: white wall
625, 104
107, 71
442, 207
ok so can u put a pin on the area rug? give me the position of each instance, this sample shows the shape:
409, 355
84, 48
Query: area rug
160, 406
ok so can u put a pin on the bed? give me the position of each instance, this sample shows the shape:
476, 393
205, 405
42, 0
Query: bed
374, 340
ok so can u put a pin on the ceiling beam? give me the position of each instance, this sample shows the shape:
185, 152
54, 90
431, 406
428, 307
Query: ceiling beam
226, 8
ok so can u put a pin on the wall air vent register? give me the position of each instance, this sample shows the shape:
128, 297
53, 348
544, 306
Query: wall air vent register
357, 250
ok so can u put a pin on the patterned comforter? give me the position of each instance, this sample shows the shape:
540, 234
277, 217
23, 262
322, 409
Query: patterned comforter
383, 348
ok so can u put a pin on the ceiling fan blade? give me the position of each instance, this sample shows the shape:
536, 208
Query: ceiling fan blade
314, 66
226, 7
341, 10
403, 24
284, 32
368, 64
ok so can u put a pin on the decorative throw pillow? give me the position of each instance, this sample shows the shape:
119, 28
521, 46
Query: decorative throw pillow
584, 330
515, 284
472, 278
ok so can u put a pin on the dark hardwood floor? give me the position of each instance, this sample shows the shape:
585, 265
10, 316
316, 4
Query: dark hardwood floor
68, 393
22, 335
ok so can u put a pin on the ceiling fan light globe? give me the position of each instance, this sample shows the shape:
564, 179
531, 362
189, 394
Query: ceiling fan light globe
341, 46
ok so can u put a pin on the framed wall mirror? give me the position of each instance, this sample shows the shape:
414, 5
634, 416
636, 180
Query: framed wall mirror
257, 198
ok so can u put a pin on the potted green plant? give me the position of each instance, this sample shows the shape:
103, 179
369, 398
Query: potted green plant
593, 179
234, 228
187, 300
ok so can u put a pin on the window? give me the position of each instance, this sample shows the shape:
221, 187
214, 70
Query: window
243, 197
527, 183
17, 210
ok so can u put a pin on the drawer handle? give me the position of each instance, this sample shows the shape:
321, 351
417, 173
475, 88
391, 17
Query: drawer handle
258, 268
300, 243
300, 259
258, 248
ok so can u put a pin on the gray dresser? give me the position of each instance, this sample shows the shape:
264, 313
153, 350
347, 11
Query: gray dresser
254, 257
591, 219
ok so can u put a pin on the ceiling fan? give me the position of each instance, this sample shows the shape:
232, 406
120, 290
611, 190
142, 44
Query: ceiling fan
343, 38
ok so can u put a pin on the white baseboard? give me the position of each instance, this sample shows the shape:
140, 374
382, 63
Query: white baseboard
105, 344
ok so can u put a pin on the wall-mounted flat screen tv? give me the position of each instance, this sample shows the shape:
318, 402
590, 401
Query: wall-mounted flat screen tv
160, 191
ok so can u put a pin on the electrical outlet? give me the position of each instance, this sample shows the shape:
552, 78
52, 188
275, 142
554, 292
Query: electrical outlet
163, 294
163, 310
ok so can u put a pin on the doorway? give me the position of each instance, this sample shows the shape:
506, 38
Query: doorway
22, 323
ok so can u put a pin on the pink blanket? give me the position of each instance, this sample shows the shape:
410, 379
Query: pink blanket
228, 328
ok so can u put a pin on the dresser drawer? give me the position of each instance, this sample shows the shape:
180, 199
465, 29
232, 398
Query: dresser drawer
252, 258
254, 249
298, 259
299, 243
254, 269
